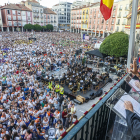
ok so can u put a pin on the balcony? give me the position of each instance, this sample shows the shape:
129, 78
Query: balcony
15, 24
9, 18
34, 11
42, 21
38, 21
119, 16
51, 21
41, 12
124, 16
19, 19
37, 11
118, 23
123, 23
41, 16
35, 16
120, 9
9, 24
19, 24
54, 21
126, 8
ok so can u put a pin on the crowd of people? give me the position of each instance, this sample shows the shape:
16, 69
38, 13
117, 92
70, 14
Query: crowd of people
28, 107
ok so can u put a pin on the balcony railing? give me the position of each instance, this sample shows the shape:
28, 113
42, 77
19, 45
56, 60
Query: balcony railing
123, 23
9, 24
93, 125
127, 9
15, 24
9, 18
118, 23
119, 16
41, 12
120, 9
19, 19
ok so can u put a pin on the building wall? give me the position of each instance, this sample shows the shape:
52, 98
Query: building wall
122, 12
1, 24
63, 10
85, 18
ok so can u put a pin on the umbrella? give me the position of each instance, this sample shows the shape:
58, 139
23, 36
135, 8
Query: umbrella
95, 52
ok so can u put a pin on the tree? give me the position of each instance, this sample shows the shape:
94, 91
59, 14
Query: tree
44, 28
115, 45
37, 27
28, 26
49, 27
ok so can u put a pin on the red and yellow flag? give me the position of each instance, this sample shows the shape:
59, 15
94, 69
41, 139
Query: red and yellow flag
106, 8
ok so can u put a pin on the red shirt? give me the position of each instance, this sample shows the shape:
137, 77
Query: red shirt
64, 114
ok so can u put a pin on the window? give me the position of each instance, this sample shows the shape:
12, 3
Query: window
124, 22
127, 7
112, 21
99, 15
8, 11
123, 29
102, 21
98, 21
23, 23
107, 22
9, 23
15, 23
106, 27
23, 13
101, 27
29, 18
117, 28
120, 7
28, 14
18, 12
13, 12
97, 26
23, 18
111, 28
118, 22
114, 8
14, 17
9, 17
19, 18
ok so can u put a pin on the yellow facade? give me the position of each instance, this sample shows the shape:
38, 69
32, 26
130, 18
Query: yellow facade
85, 17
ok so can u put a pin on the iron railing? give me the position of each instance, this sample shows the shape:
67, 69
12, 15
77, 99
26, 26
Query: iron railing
93, 125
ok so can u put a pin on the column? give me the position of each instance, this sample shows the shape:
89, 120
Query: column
87, 31
2, 29
99, 33
91, 32
7, 29
13, 29
78, 30
70, 29
95, 32
81, 35
103, 34
108, 34
22, 29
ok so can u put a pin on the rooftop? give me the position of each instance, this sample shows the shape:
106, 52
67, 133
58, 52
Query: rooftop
16, 7
49, 11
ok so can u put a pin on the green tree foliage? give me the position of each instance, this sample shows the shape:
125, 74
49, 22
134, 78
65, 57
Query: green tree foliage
49, 27
28, 26
115, 45
37, 27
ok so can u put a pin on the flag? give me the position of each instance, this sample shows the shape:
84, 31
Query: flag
106, 8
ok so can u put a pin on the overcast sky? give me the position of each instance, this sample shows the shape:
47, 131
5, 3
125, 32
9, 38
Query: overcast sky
47, 3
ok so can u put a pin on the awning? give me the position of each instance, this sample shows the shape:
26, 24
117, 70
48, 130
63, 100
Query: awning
95, 52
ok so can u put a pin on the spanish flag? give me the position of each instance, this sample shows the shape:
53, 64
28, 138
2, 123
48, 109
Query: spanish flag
106, 8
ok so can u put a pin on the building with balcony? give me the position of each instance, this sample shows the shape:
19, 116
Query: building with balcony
15, 16
127, 27
63, 10
37, 11
1, 24
122, 12
76, 16
92, 21
51, 17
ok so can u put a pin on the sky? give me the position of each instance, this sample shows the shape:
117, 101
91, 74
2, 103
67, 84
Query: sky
47, 3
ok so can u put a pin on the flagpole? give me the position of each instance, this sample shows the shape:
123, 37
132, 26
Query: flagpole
132, 33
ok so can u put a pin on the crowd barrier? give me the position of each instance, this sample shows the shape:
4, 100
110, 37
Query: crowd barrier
94, 122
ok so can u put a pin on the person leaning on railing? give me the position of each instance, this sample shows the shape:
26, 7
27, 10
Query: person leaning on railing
133, 120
